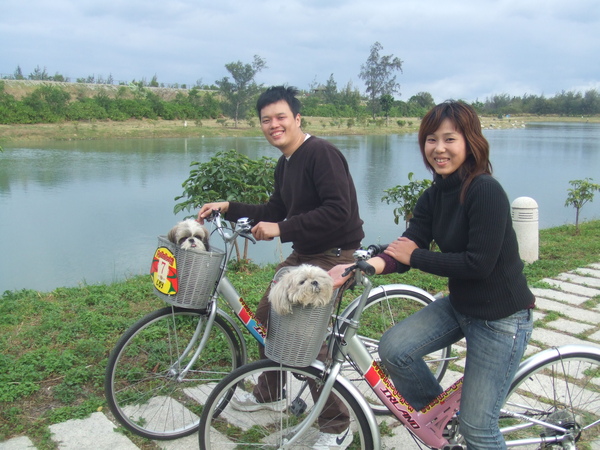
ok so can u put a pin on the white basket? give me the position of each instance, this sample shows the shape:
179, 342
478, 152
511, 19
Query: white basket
195, 274
295, 339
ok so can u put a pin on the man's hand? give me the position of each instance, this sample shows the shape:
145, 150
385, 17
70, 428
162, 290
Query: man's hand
208, 208
265, 231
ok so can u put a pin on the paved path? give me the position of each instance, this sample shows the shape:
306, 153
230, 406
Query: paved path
566, 294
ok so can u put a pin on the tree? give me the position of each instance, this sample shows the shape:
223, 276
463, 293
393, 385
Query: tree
581, 193
378, 75
19, 74
423, 99
386, 101
228, 176
239, 92
406, 197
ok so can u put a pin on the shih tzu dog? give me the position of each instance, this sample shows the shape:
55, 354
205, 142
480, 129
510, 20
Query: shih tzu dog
189, 235
303, 285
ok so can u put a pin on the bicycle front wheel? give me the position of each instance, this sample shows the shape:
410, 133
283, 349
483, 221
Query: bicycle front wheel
223, 426
560, 388
385, 307
144, 386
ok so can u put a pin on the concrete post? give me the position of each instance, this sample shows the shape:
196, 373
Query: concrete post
525, 217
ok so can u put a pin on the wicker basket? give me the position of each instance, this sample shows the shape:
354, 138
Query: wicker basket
185, 278
295, 339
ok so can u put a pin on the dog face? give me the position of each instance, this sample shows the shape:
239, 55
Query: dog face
189, 235
303, 285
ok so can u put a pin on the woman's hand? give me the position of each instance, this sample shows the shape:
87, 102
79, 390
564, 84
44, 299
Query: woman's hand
401, 249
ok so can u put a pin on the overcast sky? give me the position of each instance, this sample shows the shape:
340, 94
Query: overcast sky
460, 49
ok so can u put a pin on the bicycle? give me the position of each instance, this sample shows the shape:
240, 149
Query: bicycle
164, 366
553, 402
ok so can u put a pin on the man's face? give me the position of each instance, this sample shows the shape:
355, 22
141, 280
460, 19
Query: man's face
280, 127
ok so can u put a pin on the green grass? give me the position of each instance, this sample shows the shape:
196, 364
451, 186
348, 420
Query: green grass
54, 346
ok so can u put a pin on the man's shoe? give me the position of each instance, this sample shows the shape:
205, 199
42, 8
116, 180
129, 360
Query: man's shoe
338, 441
246, 401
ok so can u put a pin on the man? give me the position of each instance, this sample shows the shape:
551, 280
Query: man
314, 206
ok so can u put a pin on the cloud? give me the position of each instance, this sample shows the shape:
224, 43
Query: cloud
466, 49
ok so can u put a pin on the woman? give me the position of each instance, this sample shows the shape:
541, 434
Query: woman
467, 213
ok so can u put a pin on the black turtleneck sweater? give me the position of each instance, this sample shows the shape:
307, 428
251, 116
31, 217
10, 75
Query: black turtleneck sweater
314, 200
478, 246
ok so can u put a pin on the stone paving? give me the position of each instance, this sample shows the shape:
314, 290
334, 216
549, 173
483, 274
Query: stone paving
562, 305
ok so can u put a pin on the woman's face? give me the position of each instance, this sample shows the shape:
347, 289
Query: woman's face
446, 149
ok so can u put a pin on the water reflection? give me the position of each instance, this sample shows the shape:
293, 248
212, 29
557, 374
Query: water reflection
90, 211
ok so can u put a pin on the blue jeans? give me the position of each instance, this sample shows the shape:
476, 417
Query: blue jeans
494, 351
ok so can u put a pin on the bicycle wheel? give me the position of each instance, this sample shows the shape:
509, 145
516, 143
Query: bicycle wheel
142, 383
222, 426
385, 307
560, 386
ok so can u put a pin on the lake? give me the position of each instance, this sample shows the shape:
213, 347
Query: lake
89, 212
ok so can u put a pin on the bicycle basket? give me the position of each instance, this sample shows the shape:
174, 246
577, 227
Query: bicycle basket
295, 339
185, 278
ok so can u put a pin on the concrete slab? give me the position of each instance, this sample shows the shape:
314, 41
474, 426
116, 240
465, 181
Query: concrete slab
578, 314
572, 288
559, 296
18, 443
584, 281
95, 432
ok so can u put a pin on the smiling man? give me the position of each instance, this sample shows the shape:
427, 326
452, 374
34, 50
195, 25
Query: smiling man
313, 206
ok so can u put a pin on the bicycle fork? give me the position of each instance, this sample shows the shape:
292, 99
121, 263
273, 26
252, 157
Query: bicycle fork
175, 370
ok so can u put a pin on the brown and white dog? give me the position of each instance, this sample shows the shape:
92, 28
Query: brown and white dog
303, 285
189, 235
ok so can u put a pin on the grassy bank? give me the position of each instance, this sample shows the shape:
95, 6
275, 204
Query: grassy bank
14, 135
54, 345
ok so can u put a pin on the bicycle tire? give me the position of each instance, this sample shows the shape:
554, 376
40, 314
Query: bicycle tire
560, 386
385, 307
141, 388
221, 426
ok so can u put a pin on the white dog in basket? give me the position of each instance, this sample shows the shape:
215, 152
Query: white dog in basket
189, 235
303, 285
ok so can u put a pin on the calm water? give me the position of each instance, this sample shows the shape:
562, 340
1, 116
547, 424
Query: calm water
89, 212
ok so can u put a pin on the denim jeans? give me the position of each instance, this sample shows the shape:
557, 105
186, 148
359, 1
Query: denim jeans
494, 351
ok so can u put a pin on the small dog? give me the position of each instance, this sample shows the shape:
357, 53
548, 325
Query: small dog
303, 285
189, 235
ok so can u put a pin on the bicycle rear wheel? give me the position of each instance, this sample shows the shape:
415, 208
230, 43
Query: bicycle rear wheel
560, 386
385, 307
223, 427
142, 382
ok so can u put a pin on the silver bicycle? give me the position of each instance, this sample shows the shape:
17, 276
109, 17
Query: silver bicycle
553, 402
165, 365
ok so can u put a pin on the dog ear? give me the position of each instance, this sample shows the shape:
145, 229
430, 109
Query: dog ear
205, 242
172, 235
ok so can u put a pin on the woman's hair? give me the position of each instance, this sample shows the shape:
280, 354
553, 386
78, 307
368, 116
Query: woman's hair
467, 122
277, 93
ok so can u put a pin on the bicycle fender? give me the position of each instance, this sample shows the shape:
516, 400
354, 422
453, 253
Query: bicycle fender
563, 350
238, 331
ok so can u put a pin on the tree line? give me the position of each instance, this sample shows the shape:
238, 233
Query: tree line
234, 96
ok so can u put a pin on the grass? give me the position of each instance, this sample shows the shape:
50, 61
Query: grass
54, 345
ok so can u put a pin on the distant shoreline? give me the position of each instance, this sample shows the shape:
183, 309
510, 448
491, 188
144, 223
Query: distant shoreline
11, 135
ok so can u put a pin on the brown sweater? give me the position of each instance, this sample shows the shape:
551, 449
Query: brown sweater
314, 200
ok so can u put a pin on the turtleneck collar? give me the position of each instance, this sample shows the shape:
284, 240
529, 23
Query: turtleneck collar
451, 181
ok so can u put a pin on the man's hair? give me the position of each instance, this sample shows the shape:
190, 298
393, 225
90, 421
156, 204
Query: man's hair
277, 93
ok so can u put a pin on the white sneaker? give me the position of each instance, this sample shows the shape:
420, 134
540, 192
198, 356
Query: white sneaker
246, 401
328, 440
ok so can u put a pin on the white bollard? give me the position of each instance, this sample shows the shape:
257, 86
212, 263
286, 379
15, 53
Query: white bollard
525, 217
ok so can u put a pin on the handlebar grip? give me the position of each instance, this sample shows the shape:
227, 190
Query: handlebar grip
376, 249
366, 267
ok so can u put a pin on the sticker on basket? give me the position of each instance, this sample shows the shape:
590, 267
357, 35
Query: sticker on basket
164, 271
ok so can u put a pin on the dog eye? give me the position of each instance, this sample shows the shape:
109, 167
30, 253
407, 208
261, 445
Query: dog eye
198, 236
182, 240
302, 282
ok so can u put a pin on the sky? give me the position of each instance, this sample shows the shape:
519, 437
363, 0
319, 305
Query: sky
460, 49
